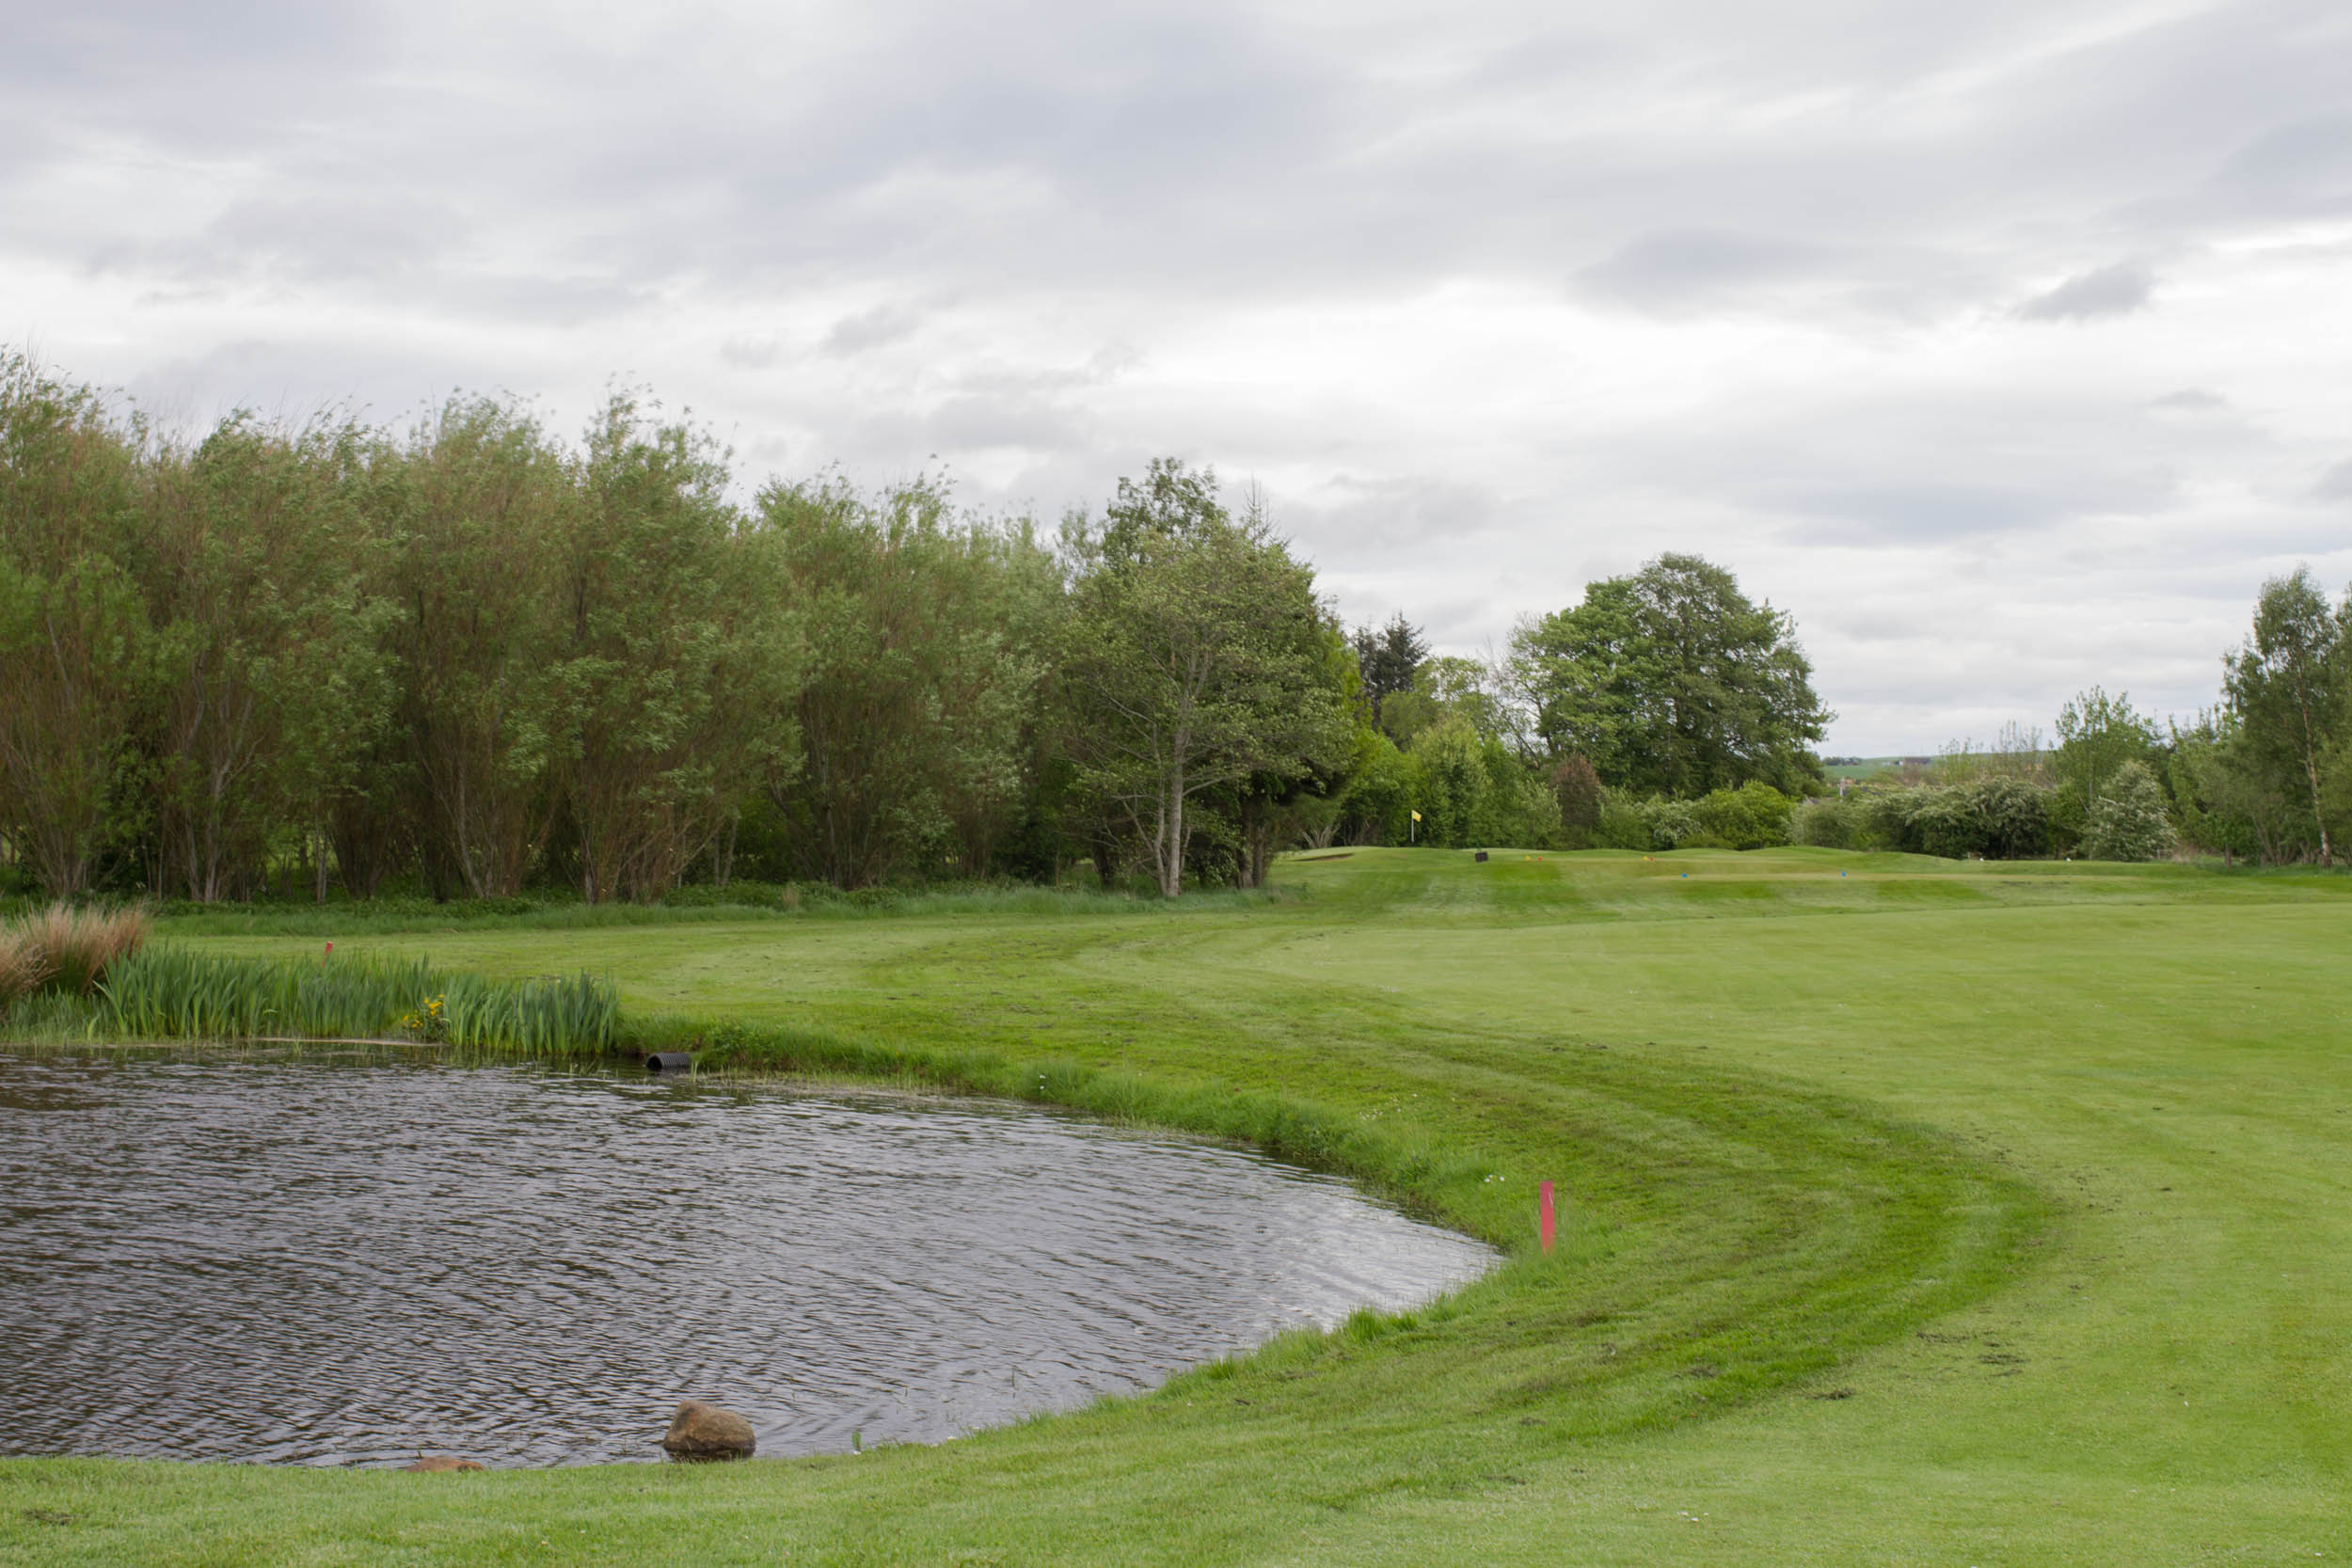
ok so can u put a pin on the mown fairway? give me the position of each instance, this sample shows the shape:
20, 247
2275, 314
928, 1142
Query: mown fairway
1916, 1214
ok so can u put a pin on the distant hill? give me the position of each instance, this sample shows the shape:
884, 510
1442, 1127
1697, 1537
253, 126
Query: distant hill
1861, 769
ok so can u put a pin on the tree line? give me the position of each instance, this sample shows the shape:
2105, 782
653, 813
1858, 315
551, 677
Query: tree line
467, 657
2262, 775
471, 657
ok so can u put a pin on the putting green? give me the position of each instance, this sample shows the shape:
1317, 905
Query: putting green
1915, 1212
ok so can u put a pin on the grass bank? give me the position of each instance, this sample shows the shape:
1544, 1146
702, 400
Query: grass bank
1916, 1214
691, 906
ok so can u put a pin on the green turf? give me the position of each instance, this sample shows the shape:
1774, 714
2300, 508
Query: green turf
1920, 1215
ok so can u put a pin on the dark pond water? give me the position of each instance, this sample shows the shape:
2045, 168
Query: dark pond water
348, 1262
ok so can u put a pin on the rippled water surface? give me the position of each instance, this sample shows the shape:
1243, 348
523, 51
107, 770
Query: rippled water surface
349, 1263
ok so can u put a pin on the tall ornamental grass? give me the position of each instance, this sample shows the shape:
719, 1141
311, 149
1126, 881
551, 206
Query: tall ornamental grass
168, 993
22, 968
64, 949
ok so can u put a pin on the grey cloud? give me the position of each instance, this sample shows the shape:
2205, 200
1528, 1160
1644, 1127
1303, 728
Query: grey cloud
326, 238
292, 381
556, 300
1882, 463
1923, 511
2111, 290
2304, 163
2335, 485
505, 192
2190, 399
101, 41
883, 324
1214, 151
969, 423
1687, 268
1367, 519
751, 354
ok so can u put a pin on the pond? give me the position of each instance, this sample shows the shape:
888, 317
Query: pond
322, 1261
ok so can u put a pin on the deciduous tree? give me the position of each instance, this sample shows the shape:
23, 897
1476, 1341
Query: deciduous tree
1671, 680
1193, 657
2288, 686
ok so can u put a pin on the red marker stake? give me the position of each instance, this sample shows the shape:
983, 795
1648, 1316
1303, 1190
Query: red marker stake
1544, 1208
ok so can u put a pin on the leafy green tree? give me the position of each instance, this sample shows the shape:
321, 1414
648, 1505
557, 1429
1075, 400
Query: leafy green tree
928, 642
673, 669
1406, 716
1192, 660
1450, 765
73, 627
1285, 804
2288, 687
2098, 734
1516, 806
1673, 680
480, 500
2223, 808
71, 653
1462, 689
267, 637
1380, 794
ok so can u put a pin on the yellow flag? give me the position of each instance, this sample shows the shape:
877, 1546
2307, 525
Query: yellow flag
1416, 817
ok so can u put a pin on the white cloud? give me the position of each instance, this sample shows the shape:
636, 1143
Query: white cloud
1491, 299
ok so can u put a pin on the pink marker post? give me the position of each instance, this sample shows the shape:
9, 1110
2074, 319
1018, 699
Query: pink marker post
1542, 1206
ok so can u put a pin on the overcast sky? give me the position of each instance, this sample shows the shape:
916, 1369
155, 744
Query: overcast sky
2006, 344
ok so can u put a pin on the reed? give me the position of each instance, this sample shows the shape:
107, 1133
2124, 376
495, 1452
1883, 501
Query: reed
167, 991
554, 1015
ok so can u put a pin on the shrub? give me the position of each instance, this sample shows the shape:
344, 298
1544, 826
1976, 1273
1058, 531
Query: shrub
2015, 816
2130, 822
1516, 806
1673, 824
1998, 818
1828, 823
1753, 816
1938, 821
1624, 824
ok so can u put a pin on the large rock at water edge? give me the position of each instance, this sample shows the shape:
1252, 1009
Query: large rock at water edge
700, 1430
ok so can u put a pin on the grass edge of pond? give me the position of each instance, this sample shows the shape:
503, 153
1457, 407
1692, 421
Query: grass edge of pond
1735, 1237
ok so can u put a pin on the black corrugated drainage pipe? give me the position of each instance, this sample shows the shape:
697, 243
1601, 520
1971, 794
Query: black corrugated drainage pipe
669, 1061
